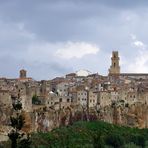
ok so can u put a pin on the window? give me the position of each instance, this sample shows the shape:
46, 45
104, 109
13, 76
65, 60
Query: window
60, 100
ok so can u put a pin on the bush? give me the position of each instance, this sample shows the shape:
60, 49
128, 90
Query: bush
138, 140
115, 140
35, 100
98, 141
131, 145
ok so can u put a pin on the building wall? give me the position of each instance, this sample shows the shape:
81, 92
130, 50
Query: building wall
62, 89
82, 97
92, 99
104, 98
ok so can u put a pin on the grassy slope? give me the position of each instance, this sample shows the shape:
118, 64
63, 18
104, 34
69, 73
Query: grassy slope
89, 134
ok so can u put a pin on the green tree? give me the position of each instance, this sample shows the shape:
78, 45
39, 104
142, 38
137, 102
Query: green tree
17, 123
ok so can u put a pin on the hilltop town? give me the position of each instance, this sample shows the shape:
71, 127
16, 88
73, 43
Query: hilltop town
120, 98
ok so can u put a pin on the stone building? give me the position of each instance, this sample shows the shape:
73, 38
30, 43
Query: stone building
93, 98
82, 97
104, 98
62, 88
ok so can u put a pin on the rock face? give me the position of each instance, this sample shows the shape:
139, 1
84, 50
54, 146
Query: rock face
135, 115
5, 113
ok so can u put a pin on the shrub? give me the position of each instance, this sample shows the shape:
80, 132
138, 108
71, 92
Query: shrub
35, 100
139, 140
115, 140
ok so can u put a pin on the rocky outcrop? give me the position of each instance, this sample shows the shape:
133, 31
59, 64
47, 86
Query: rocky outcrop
135, 115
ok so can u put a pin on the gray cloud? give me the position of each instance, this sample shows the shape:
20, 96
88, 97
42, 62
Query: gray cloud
31, 31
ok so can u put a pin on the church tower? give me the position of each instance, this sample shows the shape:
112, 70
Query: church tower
114, 68
23, 73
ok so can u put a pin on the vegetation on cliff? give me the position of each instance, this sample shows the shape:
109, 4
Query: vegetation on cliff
96, 134
18, 138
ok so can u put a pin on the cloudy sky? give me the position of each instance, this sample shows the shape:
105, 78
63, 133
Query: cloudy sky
50, 38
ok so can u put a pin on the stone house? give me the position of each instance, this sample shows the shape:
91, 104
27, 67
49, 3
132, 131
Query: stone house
82, 96
93, 97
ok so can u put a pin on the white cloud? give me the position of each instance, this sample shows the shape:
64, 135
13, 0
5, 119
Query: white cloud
46, 51
139, 44
76, 50
139, 65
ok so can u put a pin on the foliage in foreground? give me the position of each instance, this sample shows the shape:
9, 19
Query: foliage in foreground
96, 134
18, 138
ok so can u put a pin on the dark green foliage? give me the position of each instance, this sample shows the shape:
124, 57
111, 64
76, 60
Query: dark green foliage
94, 134
98, 141
13, 135
139, 140
25, 142
17, 122
115, 140
36, 100
17, 105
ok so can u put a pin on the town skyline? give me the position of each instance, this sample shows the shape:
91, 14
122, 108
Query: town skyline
114, 65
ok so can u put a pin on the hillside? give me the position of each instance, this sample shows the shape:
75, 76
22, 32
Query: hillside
96, 134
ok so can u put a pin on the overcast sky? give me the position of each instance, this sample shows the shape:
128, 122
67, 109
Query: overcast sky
50, 38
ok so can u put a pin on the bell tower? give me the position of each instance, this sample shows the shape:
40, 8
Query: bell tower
114, 68
23, 73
